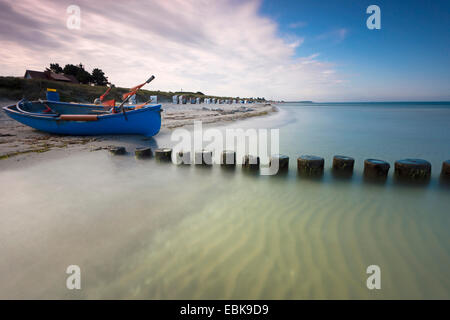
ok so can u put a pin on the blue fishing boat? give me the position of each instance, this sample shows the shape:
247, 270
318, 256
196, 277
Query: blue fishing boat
78, 119
88, 119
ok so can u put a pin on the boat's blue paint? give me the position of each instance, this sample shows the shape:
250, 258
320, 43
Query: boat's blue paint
52, 96
144, 121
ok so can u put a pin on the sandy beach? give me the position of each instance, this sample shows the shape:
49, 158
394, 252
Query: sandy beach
19, 142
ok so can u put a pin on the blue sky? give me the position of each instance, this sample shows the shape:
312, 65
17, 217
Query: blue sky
410, 54
318, 50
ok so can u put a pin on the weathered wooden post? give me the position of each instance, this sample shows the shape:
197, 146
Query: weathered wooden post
412, 169
228, 158
163, 154
343, 164
184, 157
117, 150
376, 169
250, 162
207, 158
143, 153
310, 165
203, 157
198, 157
283, 161
445, 172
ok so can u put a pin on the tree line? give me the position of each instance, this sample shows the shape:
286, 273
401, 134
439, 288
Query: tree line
97, 77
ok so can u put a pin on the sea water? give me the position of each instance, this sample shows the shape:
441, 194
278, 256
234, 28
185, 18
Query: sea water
148, 230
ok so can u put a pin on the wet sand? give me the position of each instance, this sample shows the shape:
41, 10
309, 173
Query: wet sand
19, 142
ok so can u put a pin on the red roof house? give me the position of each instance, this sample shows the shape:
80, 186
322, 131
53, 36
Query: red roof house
49, 75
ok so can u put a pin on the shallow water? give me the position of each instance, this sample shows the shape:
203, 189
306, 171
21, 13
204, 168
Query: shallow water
142, 229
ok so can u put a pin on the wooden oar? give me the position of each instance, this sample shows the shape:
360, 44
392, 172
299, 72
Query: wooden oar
129, 96
143, 104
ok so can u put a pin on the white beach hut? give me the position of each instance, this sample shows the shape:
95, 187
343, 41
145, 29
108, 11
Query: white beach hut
198, 100
153, 99
175, 99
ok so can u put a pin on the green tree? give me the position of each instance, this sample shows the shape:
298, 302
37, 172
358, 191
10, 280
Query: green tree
55, 67
98, 77
70, 69
78, 72
83, 76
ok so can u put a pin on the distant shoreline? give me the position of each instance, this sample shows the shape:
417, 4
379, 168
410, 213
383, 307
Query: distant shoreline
16, 88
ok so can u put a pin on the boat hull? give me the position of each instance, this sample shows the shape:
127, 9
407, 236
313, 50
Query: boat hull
145, 121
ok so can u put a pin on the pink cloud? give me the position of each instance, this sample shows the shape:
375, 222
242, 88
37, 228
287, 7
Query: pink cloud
218, 47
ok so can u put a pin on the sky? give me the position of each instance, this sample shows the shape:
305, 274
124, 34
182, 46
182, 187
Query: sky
281, 49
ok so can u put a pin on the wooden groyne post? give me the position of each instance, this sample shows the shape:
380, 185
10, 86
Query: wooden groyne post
250, 162
283, 161
412, 169
375, 169
308, 165
445, 172
203, 157
117, 150
163, 154
143, 153
228, 158
343, 165
184, 157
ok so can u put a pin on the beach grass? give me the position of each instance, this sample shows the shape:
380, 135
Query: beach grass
15, 88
